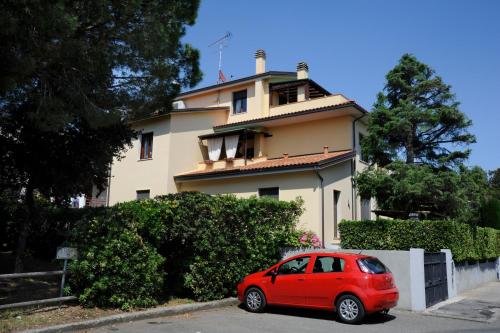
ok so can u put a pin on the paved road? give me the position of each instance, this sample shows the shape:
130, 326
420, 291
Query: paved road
235, 319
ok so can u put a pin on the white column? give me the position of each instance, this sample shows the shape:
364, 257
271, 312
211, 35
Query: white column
417, 279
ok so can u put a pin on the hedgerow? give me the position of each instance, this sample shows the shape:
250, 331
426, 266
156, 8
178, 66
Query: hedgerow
186, 243
465, 242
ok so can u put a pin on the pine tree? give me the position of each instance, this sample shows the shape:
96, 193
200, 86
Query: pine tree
72, 73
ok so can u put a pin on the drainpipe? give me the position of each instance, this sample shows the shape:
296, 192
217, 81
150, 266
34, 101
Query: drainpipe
109, 185
322, 207
353, 168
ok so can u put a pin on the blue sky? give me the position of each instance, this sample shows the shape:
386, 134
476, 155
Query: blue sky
351, 45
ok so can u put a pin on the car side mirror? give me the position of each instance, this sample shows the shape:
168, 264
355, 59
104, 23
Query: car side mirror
274, 274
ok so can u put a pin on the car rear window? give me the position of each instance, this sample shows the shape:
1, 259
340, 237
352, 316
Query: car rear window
374, 265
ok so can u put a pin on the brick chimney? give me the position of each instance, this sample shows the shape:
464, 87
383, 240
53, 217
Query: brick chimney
302, 71
325, 150
285, 156
260, 61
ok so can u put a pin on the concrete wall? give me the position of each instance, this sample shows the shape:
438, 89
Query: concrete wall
470, 276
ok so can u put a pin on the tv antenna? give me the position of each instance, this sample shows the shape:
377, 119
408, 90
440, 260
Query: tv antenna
221, 43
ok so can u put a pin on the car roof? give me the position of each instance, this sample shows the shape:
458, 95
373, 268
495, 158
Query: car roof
333, 253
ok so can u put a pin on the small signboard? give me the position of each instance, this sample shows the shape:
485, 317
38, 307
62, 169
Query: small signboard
66, 253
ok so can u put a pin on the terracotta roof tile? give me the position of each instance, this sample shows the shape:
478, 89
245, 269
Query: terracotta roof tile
295, 113
301, 160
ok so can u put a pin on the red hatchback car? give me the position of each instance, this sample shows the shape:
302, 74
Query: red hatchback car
354, 285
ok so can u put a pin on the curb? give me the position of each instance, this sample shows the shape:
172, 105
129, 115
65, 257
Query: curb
132, 316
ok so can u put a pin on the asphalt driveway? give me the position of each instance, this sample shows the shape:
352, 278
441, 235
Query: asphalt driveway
235, 319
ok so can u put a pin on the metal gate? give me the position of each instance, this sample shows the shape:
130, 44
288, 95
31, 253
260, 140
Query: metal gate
436, 284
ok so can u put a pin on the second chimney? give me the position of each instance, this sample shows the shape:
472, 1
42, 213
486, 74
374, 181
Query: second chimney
260, 61
302, 71
325, 150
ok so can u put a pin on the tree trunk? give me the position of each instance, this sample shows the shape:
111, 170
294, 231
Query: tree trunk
29, 202
410, 152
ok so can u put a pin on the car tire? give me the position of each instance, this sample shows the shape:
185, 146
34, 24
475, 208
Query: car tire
255, 300
350, 310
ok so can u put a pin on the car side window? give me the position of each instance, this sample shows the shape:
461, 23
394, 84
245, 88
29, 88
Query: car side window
295, 266
328, 265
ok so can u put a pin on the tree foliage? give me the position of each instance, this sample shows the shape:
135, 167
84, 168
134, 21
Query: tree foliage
419, 136
416, 118
72, 73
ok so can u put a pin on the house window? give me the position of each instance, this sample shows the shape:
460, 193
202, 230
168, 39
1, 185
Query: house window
240, 102
146, 146
272, 192
362, 156
142, 194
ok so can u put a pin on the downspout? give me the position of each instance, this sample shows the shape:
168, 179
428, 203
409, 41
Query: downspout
109, 185
353, 168
322, 207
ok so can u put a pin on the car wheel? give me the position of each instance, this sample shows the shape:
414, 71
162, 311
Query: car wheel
350, 310
255, 301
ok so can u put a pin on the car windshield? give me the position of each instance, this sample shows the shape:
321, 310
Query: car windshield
374, 265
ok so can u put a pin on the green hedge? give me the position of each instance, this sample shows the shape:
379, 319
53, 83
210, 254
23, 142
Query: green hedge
188, 243
465, 242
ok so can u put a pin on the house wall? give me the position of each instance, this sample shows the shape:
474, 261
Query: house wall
309, 137
308, 104
175, 150
185, 149
291, 185
225, 98
336, 178
131, 174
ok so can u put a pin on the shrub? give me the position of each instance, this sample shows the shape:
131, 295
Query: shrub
465, 242
185, 243
116, 267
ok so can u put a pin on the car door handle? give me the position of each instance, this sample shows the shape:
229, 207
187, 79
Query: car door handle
300, 279
339, 278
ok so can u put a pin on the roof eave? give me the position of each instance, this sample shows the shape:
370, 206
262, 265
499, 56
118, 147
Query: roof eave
267, 171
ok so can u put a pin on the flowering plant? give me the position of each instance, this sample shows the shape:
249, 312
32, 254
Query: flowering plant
309, 239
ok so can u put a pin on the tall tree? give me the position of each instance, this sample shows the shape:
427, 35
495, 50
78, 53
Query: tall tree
416, 118
72, 73
417, 133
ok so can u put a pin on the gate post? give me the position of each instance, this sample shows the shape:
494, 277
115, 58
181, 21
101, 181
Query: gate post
450, 273
417, 280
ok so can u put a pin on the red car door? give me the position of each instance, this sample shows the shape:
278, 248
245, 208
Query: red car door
325, 281
287, 286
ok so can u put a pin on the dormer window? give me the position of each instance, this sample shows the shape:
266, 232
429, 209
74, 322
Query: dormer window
240, 102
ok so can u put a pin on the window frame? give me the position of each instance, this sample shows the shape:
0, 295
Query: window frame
143, 154
238, 95
137, 192
276, 197
305, 268
342, 263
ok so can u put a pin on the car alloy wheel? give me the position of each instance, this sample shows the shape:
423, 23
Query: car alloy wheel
350, 309
255, 300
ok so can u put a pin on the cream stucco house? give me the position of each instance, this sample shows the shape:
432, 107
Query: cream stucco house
274, 134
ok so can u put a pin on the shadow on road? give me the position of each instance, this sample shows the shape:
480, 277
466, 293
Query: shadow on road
376, 318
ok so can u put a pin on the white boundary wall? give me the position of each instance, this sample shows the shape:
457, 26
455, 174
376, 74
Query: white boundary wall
407, 267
